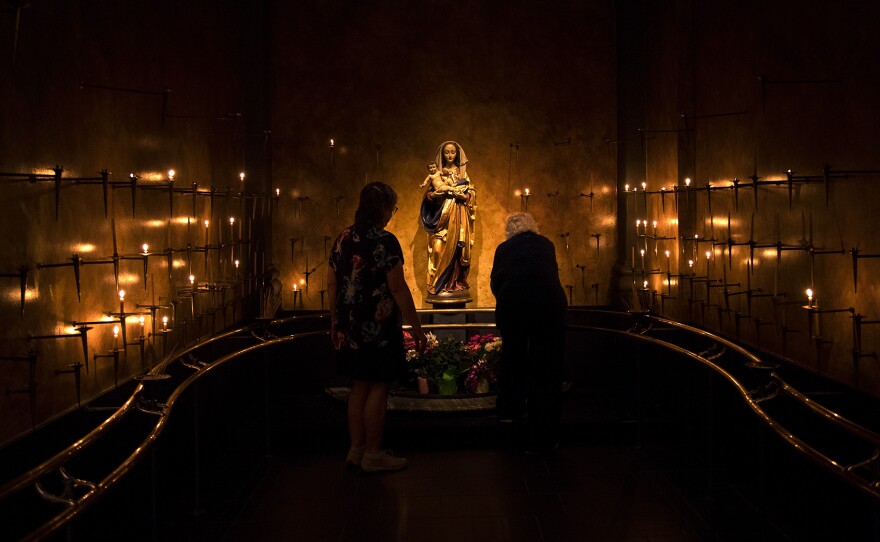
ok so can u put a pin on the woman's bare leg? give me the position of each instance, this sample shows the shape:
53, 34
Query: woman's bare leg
375, 407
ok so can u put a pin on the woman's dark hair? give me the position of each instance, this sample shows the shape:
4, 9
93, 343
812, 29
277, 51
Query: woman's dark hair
376, 200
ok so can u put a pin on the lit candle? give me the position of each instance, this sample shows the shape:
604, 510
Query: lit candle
170, 174
644, 186
206, 232
687, 181
115, 337
668, 269
241, 176
655, 228
192, 280
277, 192
691, 265
642, 252
141, 321
626, 188
645, 285
164, 323
122, 301
146, 248
294, 287
809, 297
236, 264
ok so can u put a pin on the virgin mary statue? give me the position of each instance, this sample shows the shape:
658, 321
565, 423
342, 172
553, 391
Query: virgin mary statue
448, 214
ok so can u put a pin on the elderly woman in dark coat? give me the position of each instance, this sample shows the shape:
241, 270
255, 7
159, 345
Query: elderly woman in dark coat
530, 314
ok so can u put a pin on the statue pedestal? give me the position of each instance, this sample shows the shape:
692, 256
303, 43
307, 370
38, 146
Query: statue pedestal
449, 300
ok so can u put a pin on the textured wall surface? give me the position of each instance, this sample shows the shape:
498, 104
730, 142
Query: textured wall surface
390, 82
84, 91
531, 93
740, 90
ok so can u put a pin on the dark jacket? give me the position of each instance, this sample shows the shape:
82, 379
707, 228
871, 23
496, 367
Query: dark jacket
525, 282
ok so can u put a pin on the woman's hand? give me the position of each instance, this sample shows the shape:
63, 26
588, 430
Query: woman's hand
421, 340
336, 337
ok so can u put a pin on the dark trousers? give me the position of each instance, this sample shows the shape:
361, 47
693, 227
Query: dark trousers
530, 382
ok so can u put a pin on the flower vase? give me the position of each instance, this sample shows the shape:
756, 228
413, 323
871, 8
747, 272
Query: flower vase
422, 385
482, 386
447, 385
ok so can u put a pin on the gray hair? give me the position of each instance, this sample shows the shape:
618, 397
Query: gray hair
518, 223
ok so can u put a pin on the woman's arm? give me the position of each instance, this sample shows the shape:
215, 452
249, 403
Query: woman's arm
403, 298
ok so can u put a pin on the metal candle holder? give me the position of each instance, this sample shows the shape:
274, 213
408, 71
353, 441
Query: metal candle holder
82, 331
75, 262
114, 354
22, 277
813, 311
857, 354
76, 370
855, 265
524, 200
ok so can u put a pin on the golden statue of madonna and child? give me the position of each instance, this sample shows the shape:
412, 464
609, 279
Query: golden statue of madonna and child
448, 214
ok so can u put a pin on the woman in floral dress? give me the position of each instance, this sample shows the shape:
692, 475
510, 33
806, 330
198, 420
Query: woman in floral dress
368, 296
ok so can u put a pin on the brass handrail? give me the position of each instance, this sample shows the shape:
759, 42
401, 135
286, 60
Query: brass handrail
798, 444
827, 413
90, 497
86, 500
32, 475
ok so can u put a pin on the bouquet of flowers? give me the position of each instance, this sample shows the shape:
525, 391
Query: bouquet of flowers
486, 349
448, 362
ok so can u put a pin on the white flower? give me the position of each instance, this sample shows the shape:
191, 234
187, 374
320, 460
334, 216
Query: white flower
431, 339
411, 355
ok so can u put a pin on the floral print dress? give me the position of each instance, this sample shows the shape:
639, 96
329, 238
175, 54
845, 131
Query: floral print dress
367, 314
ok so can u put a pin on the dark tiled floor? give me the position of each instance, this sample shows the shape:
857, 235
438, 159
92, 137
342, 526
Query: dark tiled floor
578, 493
467, 480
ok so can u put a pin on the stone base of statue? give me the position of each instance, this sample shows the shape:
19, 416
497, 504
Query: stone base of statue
445, 299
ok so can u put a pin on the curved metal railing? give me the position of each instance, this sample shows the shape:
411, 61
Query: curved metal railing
637, 327
80, 504
756, 401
